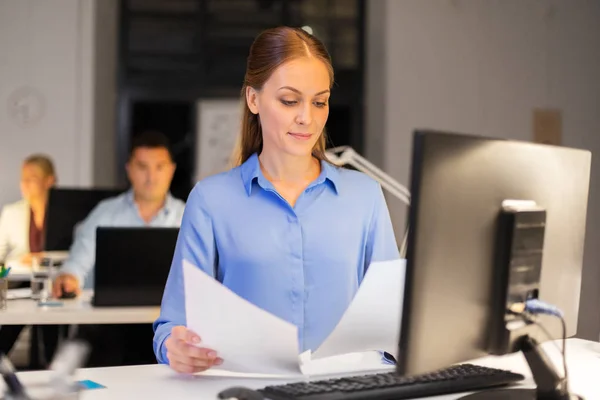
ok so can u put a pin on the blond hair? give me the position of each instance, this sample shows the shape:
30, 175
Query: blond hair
44, 162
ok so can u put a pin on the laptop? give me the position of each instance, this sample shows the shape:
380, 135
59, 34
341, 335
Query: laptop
132, 265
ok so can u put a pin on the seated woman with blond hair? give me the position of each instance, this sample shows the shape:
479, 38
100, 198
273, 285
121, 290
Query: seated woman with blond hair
22, 224
22, 231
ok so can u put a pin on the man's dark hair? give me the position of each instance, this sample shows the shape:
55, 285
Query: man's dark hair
150, 139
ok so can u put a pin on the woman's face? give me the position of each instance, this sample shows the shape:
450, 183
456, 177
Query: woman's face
293, 106
34, 182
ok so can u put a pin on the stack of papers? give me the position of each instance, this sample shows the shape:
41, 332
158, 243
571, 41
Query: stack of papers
370, 325
21, 271
16, 294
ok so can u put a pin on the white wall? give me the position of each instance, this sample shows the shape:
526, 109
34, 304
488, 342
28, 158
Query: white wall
482, 66
50, 46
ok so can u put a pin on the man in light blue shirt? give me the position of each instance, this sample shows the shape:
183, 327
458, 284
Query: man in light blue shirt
302, 263
148, 203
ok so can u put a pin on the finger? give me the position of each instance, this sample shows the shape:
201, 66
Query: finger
183, 368
184, 352
179, 332
177, 346
191, 337
200, 352
184, 360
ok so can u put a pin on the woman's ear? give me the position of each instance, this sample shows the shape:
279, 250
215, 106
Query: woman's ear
252, 99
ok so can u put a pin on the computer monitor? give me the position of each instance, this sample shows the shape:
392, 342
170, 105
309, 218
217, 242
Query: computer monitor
132, 265
453, 309
66, 208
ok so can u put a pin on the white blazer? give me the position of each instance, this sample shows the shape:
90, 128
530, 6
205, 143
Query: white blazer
14, 230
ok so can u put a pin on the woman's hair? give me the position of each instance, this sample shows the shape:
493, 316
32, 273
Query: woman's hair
272, 48
42, 161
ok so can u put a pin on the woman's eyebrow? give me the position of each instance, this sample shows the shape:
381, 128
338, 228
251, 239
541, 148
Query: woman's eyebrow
299, 92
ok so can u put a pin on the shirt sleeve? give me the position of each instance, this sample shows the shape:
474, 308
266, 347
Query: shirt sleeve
195, 244
381, 242
82, 254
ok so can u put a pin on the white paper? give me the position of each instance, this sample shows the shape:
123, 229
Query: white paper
22, 271
354, 363
369, 361
372, 321
246, 337
16, 294
254, 343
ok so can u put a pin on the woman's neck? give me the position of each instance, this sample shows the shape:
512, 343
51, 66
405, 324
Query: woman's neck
38, 206
289, 169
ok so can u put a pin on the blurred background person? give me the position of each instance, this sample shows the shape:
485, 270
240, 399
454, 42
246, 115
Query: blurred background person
22, 227
148, 203
22, 224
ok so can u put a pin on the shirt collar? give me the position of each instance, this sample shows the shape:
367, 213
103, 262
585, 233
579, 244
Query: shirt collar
167, 207
250, 171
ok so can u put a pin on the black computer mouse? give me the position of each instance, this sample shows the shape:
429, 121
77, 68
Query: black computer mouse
240, 393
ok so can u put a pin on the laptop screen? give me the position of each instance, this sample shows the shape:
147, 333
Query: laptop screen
132, 264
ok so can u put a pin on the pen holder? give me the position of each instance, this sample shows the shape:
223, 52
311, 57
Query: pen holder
3, 293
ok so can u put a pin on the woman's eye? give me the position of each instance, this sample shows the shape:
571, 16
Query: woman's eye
320, 104
288, 102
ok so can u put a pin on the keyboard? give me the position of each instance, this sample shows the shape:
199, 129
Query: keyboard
384, 386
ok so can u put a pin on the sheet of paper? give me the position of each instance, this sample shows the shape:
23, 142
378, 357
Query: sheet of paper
372, 321
354, 363
21, 293
245, 336
351, 363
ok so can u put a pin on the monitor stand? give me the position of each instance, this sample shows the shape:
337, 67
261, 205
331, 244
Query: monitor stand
545, 376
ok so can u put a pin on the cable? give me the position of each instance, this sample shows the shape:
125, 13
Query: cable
562, 350
534, 307
403, 247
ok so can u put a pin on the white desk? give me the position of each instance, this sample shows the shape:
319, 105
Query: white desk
159, 382
76, 311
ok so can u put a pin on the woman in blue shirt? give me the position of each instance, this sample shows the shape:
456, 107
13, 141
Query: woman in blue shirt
285, 229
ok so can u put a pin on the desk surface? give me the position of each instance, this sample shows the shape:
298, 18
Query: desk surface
159, 382
76, 311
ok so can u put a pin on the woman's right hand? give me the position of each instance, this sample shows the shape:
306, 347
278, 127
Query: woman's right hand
185, 356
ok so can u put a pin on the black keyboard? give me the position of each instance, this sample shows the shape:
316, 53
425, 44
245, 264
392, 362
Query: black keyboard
383, 386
